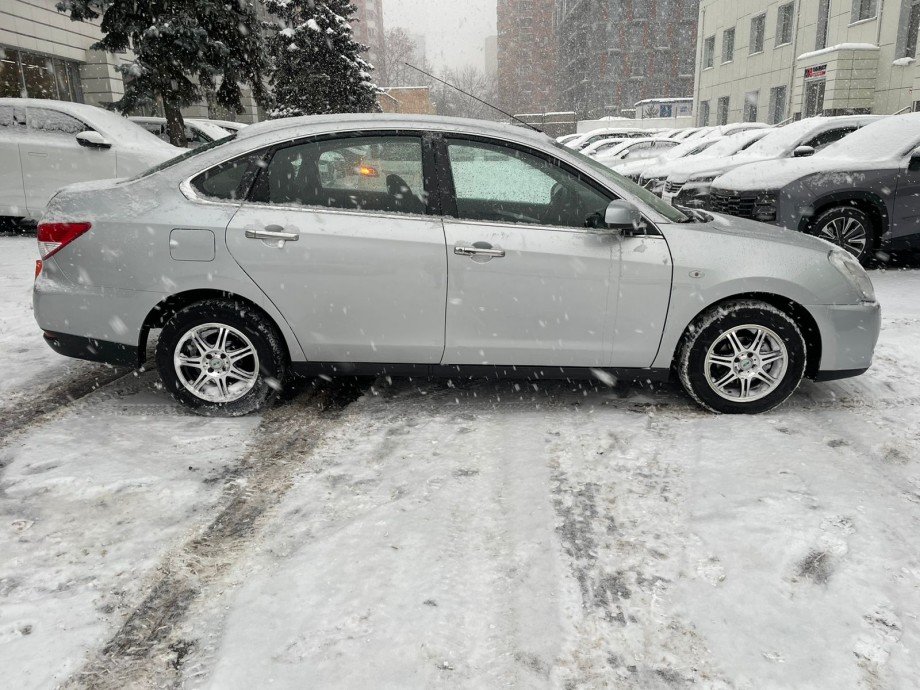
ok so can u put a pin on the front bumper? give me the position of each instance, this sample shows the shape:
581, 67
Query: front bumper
849, 333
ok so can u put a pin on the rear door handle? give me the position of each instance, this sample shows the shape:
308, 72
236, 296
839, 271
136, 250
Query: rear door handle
465, 250
272, 232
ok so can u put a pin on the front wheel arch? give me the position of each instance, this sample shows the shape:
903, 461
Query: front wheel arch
803, 318
869, 204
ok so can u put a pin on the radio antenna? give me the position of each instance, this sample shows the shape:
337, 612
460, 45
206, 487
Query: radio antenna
475, 98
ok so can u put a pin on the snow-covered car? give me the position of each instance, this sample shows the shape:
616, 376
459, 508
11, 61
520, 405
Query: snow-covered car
45, 145
696, 194
634, 149
197, 132
586, 139
603, 144
862, 193
229, 125
636, 169
466, 248
798, 139
565, 138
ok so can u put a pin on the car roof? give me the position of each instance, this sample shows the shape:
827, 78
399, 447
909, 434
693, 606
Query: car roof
311, 123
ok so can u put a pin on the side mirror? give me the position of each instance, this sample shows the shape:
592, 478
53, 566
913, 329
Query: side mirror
914, 164
93, 140
622, 215
803, 151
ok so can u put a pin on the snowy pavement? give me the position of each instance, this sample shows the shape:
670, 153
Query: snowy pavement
416, 534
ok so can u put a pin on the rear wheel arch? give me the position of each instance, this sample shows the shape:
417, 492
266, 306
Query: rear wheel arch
173, 304
802, 317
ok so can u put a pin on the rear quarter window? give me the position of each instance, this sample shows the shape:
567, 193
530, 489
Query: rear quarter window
226, 181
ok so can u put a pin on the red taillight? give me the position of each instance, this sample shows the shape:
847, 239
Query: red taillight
38, 268
53, 237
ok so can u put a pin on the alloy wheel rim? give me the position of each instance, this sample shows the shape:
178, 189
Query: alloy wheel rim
746, 363
216, 363
846, 232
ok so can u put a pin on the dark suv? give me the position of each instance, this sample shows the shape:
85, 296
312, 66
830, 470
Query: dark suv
861, 193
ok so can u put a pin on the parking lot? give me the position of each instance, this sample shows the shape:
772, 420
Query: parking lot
414, 533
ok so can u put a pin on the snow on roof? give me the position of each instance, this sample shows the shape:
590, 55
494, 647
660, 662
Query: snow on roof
839, 46
664, 99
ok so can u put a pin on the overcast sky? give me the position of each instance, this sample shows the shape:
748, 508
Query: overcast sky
454, 30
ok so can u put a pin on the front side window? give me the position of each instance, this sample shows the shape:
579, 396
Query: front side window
728, 45
506, 185
54, 122
863, 9
374, 173
12, 116
758, 24
784, 18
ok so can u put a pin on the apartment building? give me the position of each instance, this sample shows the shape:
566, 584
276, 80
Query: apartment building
369, 30
778, 60
526, 55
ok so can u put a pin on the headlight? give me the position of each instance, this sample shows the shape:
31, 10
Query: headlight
855, 274
765, 206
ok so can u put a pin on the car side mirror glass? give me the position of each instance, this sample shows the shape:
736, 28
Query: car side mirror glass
914, 164
622, 215
804, 151
93, 140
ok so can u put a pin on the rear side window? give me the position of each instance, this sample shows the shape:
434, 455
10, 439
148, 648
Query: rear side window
226, 181
381, 173
54, 122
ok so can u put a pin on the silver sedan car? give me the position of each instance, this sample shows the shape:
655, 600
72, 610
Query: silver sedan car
374, 244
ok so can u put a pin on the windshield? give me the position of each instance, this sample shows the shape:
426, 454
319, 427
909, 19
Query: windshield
182, 157
734, 143
672, 214
892, 137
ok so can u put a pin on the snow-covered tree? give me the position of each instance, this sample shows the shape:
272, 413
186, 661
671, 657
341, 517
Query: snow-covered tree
183, 50
317, 66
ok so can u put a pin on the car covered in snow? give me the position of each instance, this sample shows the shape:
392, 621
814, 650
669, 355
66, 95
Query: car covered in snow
862, 193
635, 169
229, 125
586, 139
197, 132
634, 150
430, 246
46, 144
798, 139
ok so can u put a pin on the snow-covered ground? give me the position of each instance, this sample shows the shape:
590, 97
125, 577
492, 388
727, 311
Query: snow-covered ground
483, 535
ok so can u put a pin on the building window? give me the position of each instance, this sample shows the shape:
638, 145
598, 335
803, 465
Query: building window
824, 7
709, 51
777, 105
750, 106
30, 75
704, 114
913, 24
784, 24
863, 9
758, 24
728, 45
722, 111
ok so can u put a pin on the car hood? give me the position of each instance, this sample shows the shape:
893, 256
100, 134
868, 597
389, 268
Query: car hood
776, 174
681, 172
725, 225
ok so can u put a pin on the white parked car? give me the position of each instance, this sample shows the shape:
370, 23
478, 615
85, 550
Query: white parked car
635, 149
635, 169
197, 132
588, 138
46, 145
798, 140
229, 125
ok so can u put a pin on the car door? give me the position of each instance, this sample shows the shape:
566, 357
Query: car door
906, 216
529, 284
12, 193
339, 234
52, 157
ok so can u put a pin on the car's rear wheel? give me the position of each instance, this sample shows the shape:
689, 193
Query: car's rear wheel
742, 357
849, 228
221, 357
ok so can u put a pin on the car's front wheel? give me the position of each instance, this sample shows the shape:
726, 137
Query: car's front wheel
221, 357
742, 357
849, 228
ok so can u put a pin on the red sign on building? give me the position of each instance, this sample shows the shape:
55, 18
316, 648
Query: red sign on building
816, 71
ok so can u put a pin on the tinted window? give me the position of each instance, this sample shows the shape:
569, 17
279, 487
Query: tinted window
45, 120
362, 173
829, 137
224, 180
497, 183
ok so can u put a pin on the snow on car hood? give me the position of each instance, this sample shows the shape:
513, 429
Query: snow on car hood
776, 174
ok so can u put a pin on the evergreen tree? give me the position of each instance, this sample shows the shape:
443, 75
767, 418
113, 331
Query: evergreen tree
317, 66
183, 50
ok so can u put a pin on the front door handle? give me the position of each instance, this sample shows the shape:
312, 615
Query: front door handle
272, 232
474, 250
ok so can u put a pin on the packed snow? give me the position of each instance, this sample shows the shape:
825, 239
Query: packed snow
469, 534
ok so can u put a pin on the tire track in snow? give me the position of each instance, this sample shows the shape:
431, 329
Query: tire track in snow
146, 651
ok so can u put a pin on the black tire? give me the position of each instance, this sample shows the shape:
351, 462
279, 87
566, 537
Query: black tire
828, 224
272, 362
713, 326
